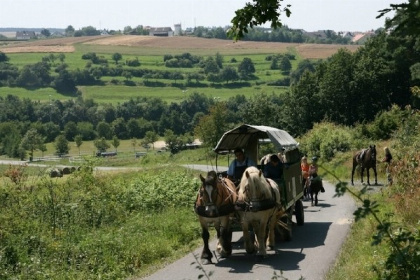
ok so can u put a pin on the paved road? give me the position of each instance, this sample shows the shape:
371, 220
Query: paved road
310, 254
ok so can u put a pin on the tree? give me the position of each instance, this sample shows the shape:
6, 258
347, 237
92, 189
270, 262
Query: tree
69, 31
101, 144
405, 20
229, 74
212, 126
257, 13
31, 141
3, 57
219, 60
151, 137
46, 32
211, 66
115, 142
134, 143
70, 130
78, 140
285, 65
116, 57
61, 145
246, 68
86, 130
173, 141
176, 76
103, 129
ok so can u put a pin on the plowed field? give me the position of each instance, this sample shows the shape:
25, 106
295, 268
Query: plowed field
181, 44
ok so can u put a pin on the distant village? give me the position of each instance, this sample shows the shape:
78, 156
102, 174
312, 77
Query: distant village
21, 34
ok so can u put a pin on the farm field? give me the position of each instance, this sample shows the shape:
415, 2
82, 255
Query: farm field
150, 51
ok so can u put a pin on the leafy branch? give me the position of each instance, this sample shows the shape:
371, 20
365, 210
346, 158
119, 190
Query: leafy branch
404, 258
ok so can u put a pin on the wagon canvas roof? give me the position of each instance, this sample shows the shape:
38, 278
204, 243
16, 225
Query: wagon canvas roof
243, 135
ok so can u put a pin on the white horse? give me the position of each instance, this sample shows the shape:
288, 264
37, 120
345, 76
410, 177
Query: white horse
258, 205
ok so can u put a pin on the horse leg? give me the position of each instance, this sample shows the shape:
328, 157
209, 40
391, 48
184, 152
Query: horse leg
206, 254
316, 198
361, 174
367, 176
249, 245
261, 229
225, 238
271, 242
352, 173
376, 176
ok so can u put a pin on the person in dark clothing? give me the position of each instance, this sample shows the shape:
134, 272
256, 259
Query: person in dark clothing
274, 168
387, 159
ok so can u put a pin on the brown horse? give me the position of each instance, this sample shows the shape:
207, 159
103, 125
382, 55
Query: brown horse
366, 159
314, 187
215, 204
258, 207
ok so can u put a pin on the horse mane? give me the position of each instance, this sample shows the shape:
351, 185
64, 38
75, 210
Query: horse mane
257, 185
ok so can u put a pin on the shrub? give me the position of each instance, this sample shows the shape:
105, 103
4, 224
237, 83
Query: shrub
325, 140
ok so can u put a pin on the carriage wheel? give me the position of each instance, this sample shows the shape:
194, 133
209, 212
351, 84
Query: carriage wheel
299, 213
284, 226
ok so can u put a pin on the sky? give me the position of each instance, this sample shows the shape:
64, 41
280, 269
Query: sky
310, 15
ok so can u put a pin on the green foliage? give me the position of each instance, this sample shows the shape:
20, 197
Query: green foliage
101, 144
90, 226
326, 140
61, 145
255, 14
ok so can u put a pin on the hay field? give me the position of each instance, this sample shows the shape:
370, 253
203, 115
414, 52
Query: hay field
146, 45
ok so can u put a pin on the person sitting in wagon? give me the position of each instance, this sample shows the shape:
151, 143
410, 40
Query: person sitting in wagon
238, 165
274, 168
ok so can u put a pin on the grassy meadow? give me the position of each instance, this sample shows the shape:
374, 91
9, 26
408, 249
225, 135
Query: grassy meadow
152, 59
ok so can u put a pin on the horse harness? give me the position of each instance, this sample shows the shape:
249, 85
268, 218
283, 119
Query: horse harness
210, 209
257, 205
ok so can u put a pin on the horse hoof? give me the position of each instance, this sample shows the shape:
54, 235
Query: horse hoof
225, 255
259, 258
206, 261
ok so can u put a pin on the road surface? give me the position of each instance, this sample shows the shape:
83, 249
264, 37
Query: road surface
310, 254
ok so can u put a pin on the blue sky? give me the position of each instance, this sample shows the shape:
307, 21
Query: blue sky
310, 15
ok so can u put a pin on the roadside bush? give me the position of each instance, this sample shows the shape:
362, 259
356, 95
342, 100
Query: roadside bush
325, 140
89, 226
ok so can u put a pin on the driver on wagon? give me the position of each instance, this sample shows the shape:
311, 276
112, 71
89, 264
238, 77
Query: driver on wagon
238, 165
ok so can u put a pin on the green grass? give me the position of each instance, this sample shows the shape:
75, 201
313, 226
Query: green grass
41, 95
170, 92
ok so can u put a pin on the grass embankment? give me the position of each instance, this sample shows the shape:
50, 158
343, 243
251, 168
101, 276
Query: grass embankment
86, 226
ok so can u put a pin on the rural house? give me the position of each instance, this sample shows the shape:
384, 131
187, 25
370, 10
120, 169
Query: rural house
25, 35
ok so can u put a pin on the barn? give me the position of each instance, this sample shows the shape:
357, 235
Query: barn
161, 31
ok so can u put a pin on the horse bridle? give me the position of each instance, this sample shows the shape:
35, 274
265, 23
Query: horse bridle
255, 205
216, 189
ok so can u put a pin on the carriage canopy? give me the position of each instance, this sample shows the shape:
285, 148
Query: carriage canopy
244, 135
248, 137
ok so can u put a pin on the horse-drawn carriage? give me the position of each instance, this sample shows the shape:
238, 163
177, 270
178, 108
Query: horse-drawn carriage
262, 204
251, 138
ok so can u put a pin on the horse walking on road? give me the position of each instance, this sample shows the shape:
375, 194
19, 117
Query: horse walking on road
258, 206
366, 159
215, 204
